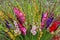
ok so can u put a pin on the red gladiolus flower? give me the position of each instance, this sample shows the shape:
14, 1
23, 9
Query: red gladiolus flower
55, 38
54, 26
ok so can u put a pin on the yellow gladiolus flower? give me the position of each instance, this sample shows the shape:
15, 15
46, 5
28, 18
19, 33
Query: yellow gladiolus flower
9, 15
41, 34
1, 13
12, 36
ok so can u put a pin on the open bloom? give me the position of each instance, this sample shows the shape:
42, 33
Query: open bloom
8, 25
21, 18
34, 30
20, 15
54, 26
44, 18
17, 31
49, 21
22, 29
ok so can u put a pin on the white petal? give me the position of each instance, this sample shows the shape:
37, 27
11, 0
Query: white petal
34, 32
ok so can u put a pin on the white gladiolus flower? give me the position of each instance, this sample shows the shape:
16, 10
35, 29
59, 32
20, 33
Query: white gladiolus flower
40, 29
17, 30
34, 27
33, 30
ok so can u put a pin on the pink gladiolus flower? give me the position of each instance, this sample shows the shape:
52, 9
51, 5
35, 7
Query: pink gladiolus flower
22, 29
20, 16
44, 18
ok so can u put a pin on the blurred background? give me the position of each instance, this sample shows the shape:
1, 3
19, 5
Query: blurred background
32, 9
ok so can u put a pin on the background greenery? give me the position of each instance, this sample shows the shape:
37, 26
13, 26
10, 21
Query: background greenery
33, 10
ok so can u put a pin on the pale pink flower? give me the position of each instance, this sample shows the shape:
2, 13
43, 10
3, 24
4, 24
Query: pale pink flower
17, 30
34, 30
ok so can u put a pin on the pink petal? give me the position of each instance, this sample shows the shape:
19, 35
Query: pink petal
22, 29
19, 15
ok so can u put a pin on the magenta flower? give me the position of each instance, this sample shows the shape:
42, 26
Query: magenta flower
44, 18
20, 16
22, 29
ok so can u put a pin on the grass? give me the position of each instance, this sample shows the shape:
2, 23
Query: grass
33, 10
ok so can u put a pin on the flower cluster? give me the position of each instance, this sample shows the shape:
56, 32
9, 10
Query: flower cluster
49, 22
21, 19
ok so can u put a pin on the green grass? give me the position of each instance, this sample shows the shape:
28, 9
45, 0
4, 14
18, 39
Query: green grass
33, 10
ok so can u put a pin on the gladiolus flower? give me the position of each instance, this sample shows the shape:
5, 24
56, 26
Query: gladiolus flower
44, 18
2, 16
10, 34
49, 21
34, 30
17, 31
54, 26
8, 25
1, 13
19, 14
22, 29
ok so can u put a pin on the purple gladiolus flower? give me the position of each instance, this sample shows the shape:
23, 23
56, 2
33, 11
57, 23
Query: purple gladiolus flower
22, 29
20, 16
49, 21
8, 25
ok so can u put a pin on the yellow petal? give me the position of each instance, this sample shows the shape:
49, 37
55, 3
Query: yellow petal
1, 13
10, 15
11, 35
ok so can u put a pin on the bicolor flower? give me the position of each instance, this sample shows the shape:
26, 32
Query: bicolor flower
20, 15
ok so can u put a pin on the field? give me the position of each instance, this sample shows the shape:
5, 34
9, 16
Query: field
29, 19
